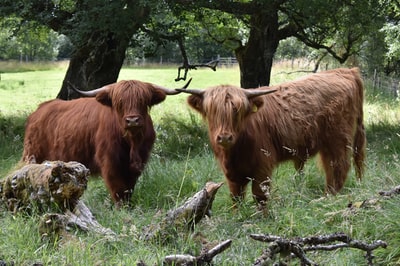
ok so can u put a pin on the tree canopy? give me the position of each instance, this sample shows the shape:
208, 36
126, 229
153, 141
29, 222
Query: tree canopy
101, 32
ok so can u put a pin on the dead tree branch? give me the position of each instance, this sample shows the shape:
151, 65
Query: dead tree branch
205, 258
352, 207
81, 217
186, 66
185, 216
391, 192
298, 247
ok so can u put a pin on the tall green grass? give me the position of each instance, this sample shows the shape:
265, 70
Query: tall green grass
181, 163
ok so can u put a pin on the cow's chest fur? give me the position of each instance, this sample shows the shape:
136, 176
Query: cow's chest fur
241, 161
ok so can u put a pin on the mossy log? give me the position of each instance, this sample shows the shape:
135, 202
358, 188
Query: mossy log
47, 186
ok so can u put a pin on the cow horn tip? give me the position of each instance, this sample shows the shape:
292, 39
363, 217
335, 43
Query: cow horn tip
73, 87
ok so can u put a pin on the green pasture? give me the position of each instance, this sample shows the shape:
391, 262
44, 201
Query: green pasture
181, 164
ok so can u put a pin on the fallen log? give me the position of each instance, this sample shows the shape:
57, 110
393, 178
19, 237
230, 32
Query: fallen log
183, 217
391, 192
47, 186
205, 257
53, 188
81, 217
298, 247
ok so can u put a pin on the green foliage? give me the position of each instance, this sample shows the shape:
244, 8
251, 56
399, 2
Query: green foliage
27, 41
291, 49
177, 136
181, 164
208, 27
339, 27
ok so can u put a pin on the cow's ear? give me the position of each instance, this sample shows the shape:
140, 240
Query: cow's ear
103, 97
157, 97
196, 102
256, 103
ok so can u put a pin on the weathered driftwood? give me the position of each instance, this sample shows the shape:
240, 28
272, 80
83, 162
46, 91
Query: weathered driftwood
374, 202
46, 186
53, 188
205, 258
81, 217
185, 216
391, 192
298, 247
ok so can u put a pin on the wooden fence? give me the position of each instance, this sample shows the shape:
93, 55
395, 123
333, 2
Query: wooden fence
227, 61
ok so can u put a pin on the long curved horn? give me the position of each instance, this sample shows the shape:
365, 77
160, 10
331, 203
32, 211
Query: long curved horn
174, 91
251, 93
192, 91
91, 93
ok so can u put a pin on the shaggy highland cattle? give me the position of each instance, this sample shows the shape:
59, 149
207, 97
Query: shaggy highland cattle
111, 132
252, 131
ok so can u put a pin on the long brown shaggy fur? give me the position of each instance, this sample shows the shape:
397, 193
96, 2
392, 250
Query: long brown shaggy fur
320, 113
94, 131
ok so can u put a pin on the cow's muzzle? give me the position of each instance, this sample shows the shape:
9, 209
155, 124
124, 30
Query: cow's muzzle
133, 121
225, 139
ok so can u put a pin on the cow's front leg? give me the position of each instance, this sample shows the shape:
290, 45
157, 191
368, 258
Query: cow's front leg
261, 192
121, 188
238, 190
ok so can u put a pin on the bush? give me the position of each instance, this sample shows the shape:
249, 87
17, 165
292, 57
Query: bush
178, 136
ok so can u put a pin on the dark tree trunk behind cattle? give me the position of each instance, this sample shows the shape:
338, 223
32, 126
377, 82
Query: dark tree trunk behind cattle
255, 58
100, 43
94, 64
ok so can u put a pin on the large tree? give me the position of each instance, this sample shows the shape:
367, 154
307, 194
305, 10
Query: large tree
338, 27
101, 30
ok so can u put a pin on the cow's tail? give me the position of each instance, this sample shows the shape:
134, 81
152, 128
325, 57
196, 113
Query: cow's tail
360, 141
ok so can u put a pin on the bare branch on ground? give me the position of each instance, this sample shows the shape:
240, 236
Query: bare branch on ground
298, 247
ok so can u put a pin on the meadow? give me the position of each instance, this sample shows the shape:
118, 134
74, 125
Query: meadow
181, 163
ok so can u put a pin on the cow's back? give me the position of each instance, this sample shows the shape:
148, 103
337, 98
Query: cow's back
302, 113
63, 130
298, 120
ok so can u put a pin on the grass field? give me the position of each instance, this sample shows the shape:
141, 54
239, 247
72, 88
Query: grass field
181, 164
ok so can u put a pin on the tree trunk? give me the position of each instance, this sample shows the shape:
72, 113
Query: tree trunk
95, 63
256, 56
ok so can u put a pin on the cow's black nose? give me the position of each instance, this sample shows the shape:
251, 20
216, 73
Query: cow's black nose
133, 121
225, 139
